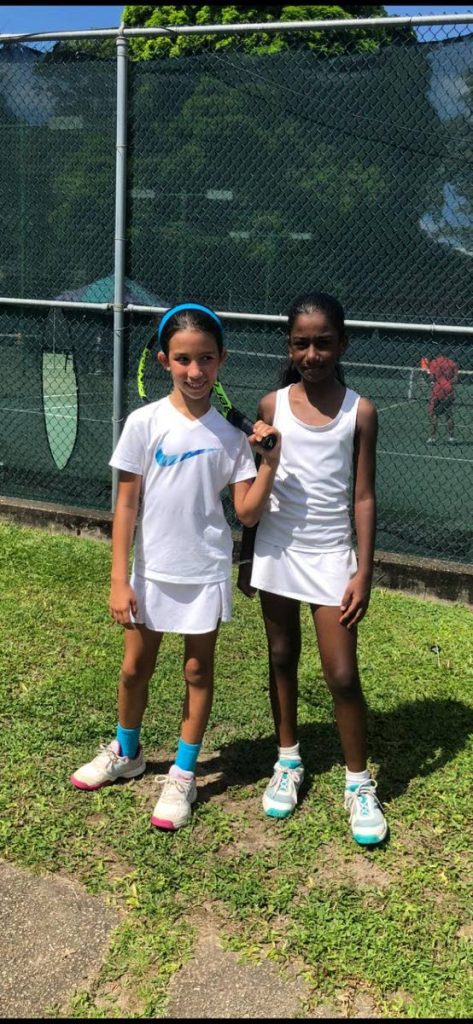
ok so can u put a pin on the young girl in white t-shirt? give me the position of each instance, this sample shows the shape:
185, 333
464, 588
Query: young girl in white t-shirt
177, 455
304, 551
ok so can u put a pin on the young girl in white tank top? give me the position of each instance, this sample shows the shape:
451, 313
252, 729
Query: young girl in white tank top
303, 551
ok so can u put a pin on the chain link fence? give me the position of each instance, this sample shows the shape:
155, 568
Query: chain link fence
254, 171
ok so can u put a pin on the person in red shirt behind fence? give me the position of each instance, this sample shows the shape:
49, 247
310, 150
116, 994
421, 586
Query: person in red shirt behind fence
443, 373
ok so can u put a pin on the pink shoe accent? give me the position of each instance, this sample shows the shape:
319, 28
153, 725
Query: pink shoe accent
163, 823
83, 785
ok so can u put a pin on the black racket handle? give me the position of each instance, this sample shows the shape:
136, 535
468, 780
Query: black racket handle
268, 442
238, 419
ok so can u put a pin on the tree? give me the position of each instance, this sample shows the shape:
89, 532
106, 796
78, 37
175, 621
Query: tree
271, 43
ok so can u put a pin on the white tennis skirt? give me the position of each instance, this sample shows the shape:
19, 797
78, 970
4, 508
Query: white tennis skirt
317, 577
181, 607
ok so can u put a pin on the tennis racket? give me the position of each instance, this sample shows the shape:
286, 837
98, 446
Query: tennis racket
237, 418
143, 372
226, 406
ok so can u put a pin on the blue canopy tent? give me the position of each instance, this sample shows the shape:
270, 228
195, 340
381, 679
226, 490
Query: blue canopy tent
103, 290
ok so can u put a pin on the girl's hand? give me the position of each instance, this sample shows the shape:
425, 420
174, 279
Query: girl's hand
244, 578
122, 602
260, 430
355, 600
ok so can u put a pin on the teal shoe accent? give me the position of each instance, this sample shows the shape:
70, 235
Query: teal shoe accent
275, 812
368, 840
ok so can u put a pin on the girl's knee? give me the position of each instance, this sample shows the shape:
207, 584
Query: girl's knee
284, 657
135, 674
198, 672
343, 685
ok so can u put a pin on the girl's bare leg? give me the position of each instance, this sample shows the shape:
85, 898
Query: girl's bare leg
199, 655
139, 661
337, 647
283, 632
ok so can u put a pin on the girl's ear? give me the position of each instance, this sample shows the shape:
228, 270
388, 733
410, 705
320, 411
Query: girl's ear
343, 344
223, 356
163, 359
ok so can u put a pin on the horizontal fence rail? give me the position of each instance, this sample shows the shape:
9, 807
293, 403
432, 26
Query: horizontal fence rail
227, 29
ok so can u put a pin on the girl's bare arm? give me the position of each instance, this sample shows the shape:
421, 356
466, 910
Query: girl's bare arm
265, 412
357, 594
122, 596
250, 496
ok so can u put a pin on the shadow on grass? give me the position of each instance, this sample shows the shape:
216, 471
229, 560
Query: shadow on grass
411, 741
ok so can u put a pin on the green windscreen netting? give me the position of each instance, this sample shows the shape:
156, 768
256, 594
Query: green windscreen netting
249, 179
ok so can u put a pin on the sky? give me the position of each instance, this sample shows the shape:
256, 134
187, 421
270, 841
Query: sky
56, 17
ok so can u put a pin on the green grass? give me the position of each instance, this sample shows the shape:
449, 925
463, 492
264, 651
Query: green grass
391, 923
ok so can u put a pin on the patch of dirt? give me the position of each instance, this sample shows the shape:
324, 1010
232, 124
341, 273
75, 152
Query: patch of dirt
96, 819
332, 868
113, 996
400, 999
350, 1002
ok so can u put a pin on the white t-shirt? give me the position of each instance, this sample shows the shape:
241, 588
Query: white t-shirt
182, 534
309, 506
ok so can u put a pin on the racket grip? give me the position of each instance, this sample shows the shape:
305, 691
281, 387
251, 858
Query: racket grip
268, 442
243, 423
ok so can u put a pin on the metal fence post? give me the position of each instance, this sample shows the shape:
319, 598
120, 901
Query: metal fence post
119, 263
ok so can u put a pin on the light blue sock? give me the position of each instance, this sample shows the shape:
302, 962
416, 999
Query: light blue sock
187, 754
129, 740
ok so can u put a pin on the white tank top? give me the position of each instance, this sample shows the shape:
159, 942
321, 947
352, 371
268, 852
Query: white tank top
309, 505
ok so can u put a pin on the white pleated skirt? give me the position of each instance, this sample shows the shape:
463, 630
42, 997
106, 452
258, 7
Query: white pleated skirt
181, 607
316, 577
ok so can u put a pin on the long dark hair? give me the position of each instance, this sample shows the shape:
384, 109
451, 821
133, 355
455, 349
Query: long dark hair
314, 302
190, 318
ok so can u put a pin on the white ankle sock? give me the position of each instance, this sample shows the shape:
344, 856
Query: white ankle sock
355, 778
289, 753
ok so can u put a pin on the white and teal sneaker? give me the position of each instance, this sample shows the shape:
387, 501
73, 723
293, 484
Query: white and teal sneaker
280, 795
368, 824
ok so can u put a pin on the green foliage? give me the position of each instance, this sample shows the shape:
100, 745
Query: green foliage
175, 45
320, 42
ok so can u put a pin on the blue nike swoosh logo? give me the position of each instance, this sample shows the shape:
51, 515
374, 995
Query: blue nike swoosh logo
170, 460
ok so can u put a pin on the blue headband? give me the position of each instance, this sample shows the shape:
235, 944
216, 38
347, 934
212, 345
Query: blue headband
180, 309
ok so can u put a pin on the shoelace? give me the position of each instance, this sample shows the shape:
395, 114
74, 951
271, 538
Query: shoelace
365, 793
108, 755
170, 786
284, 778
